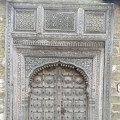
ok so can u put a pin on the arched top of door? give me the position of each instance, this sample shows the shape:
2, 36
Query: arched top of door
61, 64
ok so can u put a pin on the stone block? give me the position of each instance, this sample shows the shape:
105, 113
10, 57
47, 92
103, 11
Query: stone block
1, 108
1, 116
116, 60
2, 75
118, 67
116, 107
115, 99
114, 68
116, 43
115, 51
1, 101
114, 91
115, 116
116, 76
2, 94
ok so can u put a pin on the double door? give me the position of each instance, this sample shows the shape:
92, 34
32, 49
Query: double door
58, 93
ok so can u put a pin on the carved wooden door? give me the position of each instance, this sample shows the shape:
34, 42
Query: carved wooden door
58, 94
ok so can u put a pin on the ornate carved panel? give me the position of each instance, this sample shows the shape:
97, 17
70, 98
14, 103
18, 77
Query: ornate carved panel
95, 22
25, 19
59, 20
32, 63
58, 61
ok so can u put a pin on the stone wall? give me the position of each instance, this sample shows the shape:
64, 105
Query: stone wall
115, 102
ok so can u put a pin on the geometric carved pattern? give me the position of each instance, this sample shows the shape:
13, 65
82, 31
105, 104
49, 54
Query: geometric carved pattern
25, 19
59, 21
58, 93
95, 22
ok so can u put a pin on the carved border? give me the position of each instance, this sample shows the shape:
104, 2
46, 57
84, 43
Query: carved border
73, 43
45, 54
9, 82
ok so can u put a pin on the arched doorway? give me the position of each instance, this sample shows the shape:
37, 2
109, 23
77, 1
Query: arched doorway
58, 92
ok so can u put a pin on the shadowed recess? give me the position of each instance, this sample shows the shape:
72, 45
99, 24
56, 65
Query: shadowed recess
108, 1
112, 1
